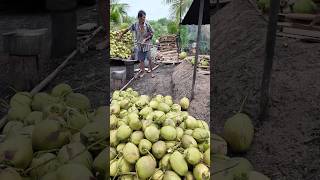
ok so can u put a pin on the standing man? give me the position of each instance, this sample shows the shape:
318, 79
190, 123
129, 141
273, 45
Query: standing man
143, 35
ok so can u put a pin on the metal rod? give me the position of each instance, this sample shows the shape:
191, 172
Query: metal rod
197, 48
270, 47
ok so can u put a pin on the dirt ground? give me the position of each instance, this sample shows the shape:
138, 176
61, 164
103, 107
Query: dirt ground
176, 81
286, 145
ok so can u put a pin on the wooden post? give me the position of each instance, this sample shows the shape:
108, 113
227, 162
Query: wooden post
197, 49
103, 13
270, 46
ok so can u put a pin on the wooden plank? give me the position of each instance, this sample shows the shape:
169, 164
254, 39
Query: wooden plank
300, 37
299, 26
315, 34
298, 16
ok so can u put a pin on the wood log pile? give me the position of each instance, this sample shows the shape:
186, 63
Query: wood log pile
168, 49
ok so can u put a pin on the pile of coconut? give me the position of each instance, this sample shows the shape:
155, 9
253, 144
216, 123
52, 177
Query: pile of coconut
155, 138
238, 134
54, 136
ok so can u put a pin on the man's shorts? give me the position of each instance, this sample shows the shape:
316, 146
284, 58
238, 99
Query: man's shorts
143, 55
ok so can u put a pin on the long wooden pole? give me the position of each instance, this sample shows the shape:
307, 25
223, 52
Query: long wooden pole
270, 46
197, 48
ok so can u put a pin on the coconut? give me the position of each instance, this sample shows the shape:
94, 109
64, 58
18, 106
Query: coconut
123, 132
204, 146
18, 113
183, 126
179, 133
159, 149
238, 132
304, 6
164, 107
133, 109
120, 147
75, 120
242, 168
49, 176
201, 172
144, 146
219, 145
178, 163
124, 104
9, 174
200, 135
100, 162
42, 100
164, 163
206, 157
33, 118
188, 132
26, 131
170, 144
21, 99
75, 138
93, 132
189, 176
202, 124
183, 55
113, 121
126, 177
79, 101
54, 110
176, 107
123, 113
159, 98
145, 167
113, 138
159, 117
124, 166
43, 163
188, 141
75, 153
154, 104
150, 116
152, 133
61, 90
184, 114
169, 122
193, 155
146, 123
253, 175
16, 151
168, 133
184, 103
113, 168
170, 175
131, 153
122, 122
49, 134
12, 127
136, 137
158, 175
145, 111
134, 122
112, 153
74, 172
191, 123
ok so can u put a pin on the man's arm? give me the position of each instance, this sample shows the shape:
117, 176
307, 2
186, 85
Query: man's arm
150, 34
131, 28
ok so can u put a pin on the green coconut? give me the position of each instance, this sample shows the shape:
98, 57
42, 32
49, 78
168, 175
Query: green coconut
124, 166
150, 116
79, 101
206, 157
200, 135
124, 104
189, 176
18, 113
170, 144
16, 151
159, 117
113, 138
152, 133
204, 146
154, 104
168, 133
171, 175
188, 132
75, 120
131, 153
100, 162
179, 133
219, 145
242, 168
159, 98
26, 131
75, 153
193, 155
169, 122
176, 107
144, 146
54, 110
134, 122
49, 134
114, 168
146, 167
41, 100
183, 126
304, 6
123, 132
168, 101
49, 176
254, 175
184, 103
75, 138
164, 107
178, 163
120, 147
164, 163
113, 121
33, 118
74, 172
61, 90
136, 137
202, 124
238, 132
188, 141
159, 149
21, 99
9, 174
158, 175
112, 153
182, 55
191, 123
201, 172
93, 132
43, 163
101, 114
145, 111
146, 123
12, 127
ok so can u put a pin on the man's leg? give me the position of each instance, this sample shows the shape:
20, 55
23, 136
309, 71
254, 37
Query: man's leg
141, 57
150, 63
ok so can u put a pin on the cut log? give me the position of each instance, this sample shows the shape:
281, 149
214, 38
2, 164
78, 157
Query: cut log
298, 16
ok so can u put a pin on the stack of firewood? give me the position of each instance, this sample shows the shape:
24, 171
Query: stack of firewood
168, 49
